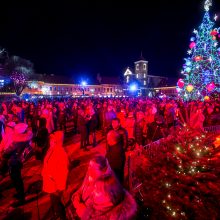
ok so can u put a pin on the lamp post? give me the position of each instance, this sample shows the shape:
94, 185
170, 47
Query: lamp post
83, 84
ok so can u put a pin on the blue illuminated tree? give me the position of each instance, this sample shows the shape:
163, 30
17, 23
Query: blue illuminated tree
202, 67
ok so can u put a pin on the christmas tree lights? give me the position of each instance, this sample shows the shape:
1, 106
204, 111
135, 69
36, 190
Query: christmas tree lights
201, 69
182, 178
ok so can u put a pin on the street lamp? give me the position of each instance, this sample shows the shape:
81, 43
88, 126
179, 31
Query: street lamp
83, 84
133, 87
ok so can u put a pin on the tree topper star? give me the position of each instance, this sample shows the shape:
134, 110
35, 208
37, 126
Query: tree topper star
208, 4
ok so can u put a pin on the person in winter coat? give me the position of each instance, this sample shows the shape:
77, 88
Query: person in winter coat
92, 124
2, 124
41, 140
108, 116
83, 129
156, 130
6, 142
117, 143
101, 196
139, 128
55, 173
21, 140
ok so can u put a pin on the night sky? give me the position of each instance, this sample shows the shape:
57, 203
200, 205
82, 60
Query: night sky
83, 38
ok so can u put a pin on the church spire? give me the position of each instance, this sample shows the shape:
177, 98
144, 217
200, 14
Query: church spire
141, 57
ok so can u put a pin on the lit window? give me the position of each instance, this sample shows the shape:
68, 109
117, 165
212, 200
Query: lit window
127, 79
144, 75
145, 66
50, 88
137, 76
145, 83
137, 66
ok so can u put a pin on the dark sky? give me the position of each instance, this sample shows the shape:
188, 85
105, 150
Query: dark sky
83, 38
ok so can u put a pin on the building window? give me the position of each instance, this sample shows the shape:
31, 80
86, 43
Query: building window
137, 76
110, 89
58, 88
145, 83
127, 80
50, 88
71, 89
107, 89
145, 66
137, 66
55, 88
145, 75
104, 89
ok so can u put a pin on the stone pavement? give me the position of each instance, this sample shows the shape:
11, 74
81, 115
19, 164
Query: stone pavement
38, 205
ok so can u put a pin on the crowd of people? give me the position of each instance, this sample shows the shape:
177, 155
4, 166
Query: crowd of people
37, 128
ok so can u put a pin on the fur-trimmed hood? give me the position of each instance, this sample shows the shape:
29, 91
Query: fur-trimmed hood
24, 137
126, 210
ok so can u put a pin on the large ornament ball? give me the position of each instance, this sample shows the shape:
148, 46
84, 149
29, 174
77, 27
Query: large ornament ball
210, 87
192, 45
198, 58
192, 39
214, 33
190, 88
206, 98
180, 83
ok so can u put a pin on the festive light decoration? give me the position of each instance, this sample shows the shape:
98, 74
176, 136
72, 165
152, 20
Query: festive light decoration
180, 83
208, 4
181, 176
192, 45
210, 87
190, 88
206, 98
19, 80
204, 59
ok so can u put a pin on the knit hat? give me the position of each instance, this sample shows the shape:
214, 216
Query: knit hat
56, 138
11, 124
20, 128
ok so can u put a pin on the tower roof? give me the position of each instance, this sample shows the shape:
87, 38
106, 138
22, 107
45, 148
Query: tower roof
141, 59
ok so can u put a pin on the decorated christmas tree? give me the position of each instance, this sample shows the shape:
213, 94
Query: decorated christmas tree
201, 69
180, 180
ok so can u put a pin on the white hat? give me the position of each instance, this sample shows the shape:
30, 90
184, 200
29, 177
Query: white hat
20, 128
11, 124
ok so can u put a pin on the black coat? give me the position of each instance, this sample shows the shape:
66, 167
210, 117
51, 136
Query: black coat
116, 156
138, 132
93, 122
